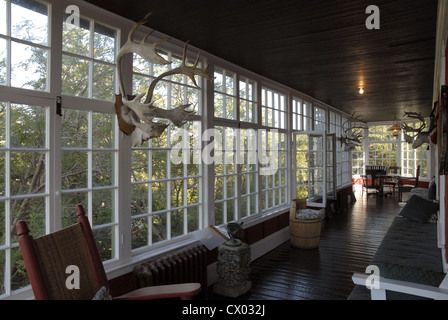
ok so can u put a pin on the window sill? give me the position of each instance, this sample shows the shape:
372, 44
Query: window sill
256, 219
164, 248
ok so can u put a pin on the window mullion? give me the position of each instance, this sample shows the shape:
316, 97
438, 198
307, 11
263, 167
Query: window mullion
91, 58
150, 157
237, 170
90, 167
168, 186
8, 218
48, 175
8, 43
185, 181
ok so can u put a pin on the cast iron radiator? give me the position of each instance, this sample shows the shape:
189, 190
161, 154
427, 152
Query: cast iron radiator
188, 264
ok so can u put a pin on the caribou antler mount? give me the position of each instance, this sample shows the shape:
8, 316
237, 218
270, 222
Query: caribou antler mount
415, 136
351, 137
136, 117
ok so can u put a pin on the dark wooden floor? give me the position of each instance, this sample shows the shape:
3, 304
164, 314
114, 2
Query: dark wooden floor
348, 243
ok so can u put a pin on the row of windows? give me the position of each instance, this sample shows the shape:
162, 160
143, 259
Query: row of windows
51, 163
380, 147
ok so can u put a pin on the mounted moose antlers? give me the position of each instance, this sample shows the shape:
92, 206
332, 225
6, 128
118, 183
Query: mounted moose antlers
419, 137
351, 137
135, 117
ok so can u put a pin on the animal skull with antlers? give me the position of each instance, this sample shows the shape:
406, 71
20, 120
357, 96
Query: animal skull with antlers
135, 117
418, 136
351, 137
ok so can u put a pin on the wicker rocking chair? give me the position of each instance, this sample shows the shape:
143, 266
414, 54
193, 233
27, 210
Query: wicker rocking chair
47, 258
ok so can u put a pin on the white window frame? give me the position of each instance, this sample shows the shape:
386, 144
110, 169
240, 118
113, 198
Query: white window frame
235, 125
274, 109
399, 142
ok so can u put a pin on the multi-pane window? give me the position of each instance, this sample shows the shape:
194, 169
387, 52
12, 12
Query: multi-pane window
319, 119
380, 133
273, 148
166, 186
248, 170
88, 60
273, 169
307, 116
88, 174
166, 171
411, 158
358, 161
247, 100
24, 187
334, 126
170, 91
346, 174
24, 44
358, 154
382, 147
236, 174
299, 120
226, 96
235, 148
273, 109
85, 141
296, 114
335, 123
385, 149
226, 174
383, 154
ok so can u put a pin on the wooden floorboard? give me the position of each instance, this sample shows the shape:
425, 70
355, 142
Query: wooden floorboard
348, 242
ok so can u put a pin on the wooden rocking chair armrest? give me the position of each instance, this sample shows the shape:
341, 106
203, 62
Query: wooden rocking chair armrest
183, 290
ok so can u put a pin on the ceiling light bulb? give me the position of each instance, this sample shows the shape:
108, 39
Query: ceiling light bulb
361, 90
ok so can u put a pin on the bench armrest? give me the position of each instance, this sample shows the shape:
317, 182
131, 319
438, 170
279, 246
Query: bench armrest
416, 289
183, 291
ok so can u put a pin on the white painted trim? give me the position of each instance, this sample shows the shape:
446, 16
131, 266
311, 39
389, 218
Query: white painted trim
420, 290
269, 243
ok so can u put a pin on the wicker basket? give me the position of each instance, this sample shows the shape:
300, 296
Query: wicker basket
304, 234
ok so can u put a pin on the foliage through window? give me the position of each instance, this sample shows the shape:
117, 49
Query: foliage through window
24, 44
274, 177
247, 100
225, 96
88, 60
166, 186
382, 147
411, 158
24, 161
166, 171
88, 177
226, 175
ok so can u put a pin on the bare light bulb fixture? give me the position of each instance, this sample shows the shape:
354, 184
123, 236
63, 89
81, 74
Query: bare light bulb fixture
361, 90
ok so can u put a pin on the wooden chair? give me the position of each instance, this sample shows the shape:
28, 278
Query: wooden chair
407, 187
392, 180
47, 258
372, 180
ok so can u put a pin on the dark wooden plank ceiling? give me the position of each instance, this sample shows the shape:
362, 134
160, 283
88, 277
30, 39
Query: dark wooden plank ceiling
321, 48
